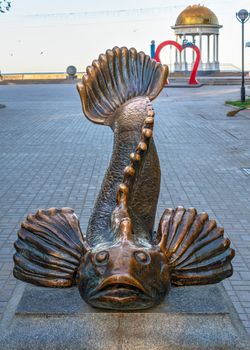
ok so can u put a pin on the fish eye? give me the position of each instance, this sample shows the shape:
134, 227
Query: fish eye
142, 257
102, 257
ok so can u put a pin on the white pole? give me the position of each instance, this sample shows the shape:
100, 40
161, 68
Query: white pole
217, 48
185, 56
176, 53
200, 45
214, 49
193, 50
208, 48
181, 54
201, 65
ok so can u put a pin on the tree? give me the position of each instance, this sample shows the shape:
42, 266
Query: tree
5, 6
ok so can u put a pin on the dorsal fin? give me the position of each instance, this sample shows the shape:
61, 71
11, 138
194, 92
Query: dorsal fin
121, 211
117, 76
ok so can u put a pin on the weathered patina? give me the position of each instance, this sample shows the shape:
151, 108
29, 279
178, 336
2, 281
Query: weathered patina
122, 263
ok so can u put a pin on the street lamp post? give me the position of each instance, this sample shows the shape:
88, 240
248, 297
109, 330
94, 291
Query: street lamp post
243, 16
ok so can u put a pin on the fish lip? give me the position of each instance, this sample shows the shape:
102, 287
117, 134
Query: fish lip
119, 300
121, 279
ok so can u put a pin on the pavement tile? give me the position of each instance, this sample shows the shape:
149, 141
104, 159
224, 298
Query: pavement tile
50, 155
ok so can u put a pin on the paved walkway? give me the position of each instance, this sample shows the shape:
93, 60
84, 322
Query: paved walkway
50, 155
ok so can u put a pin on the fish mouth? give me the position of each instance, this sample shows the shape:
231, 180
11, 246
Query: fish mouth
119, 289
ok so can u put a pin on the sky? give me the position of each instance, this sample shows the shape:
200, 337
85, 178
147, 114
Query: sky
48, 36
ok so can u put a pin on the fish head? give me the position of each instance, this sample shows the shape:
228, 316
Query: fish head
124, 276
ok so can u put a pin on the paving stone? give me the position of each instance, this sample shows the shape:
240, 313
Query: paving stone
50, 155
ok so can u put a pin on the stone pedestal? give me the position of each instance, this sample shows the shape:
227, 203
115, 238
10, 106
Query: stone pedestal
191, 318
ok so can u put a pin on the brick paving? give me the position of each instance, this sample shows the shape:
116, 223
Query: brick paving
50, 155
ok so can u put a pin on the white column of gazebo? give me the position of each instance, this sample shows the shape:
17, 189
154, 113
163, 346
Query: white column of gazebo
210, 62
203, 36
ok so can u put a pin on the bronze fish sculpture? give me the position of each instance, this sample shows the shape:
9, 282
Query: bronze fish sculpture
122, 263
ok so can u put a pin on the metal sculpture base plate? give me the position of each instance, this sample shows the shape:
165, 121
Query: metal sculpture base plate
199, 317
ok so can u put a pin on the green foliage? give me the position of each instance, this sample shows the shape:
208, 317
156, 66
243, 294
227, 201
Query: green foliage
4, 6
239, 103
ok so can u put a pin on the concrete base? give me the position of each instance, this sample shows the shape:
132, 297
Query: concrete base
174, 84
200, 72
191, 318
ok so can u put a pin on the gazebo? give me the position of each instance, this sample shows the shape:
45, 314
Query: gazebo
199, 25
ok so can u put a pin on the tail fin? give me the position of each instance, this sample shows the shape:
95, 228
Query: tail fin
116, 77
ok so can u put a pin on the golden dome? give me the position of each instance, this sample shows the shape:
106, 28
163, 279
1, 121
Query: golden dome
197, 15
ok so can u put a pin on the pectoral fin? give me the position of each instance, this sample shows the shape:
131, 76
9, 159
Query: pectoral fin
197, 251
49, 248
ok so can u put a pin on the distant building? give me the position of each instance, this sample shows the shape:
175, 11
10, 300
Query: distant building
199, 25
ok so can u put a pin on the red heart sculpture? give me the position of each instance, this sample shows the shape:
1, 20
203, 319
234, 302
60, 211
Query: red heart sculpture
192, 79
